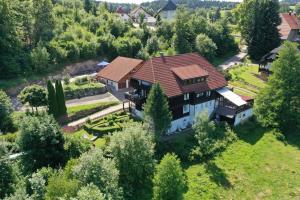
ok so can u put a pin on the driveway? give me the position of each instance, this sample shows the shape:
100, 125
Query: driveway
92, 99
236, 59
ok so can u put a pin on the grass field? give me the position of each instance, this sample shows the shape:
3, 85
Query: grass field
257, 166
245, 80
100, 142
74, 109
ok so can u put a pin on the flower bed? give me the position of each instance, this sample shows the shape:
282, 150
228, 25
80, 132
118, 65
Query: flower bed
108, 124
84, 89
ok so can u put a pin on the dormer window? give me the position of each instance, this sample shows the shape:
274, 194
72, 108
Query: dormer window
190, 74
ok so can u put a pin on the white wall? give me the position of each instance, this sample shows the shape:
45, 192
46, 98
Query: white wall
179, 124
112, 84
242, 116
168, 15
208, 106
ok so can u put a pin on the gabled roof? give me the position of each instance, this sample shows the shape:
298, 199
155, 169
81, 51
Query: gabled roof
189, 72
289, 21
170, 5
137, 9
120, 10
160, 69
119, 68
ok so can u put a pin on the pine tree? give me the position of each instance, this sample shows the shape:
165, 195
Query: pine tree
61, 104
52, 101
157, 111
258, 21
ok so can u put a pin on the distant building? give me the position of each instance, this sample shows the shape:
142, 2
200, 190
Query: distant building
168, 12
123, 15
137, 12
289, 27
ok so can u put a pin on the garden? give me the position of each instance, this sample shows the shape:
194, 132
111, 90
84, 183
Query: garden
246, 80
109, 124
82, 87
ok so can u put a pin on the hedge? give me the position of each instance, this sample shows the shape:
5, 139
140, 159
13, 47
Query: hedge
74, 91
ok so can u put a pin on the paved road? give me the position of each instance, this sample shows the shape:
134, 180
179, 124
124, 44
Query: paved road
233, 61
97, 115
92, 99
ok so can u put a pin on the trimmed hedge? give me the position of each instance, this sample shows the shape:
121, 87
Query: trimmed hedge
108, 124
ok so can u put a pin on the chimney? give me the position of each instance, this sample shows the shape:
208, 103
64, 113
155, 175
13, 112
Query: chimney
290, 12
162, 56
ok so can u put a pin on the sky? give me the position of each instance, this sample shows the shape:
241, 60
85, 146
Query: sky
139, 1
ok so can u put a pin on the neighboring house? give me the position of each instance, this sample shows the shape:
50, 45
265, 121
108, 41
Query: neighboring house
192, 85
117, 74
266, 61
168, 12
122, 14
138, 11
289, 27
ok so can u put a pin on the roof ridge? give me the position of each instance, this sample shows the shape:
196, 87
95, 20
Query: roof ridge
152, 70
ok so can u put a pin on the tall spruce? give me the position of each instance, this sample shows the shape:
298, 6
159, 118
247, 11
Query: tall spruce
52, 101
157, 111
61, 104
258, 21
277, 106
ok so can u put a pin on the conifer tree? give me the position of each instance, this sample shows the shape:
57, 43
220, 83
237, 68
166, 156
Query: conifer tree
157, 111
258, 21
52, 101
61, 104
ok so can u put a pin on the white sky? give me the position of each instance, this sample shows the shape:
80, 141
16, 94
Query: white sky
140, 1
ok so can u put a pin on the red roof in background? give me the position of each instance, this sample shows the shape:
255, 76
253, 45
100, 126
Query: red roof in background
246, 98
160, 69
289, 21
119, 68
189, 72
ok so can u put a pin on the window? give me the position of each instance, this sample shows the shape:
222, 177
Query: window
201, 94
186, 96
186, 109
208, 93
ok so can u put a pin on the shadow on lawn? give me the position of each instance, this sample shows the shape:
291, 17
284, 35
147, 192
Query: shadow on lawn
293, 138
250, 132
217, 175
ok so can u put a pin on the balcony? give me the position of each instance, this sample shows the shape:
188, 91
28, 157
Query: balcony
136, 98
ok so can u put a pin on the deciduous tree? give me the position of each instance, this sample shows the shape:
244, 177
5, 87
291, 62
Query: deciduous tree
279, 102
133, 150
205, 46
34, 95
6, 110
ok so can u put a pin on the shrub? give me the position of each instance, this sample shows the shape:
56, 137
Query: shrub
66, 79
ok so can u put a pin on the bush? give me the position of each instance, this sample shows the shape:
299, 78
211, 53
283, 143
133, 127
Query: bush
73, 90
66, 79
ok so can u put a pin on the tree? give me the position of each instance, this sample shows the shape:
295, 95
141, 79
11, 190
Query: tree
39, 181
90, 192
60, 98
278, 103
7, 176
205, 46
152, 45
133, 150
42, 141
43, 20
94, 168
297, 9
10, 44
169, 182
75, 146
6, 110
183, 34
87, 5
35, 95
52, 101
258, 21
157, 111
211, 138
40, 58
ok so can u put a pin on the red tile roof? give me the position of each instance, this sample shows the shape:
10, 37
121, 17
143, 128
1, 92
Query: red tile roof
289, 21
119, 68
246, 98
159, 69
189, 72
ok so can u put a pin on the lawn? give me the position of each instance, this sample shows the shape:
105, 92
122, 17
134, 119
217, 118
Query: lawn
245, 80
101, 105
257, 166
100, 142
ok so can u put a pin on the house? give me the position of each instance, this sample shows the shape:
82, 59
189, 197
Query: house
117, 74
289, 27
266, 61
122, 14
168, 12
138, 11
192, 85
